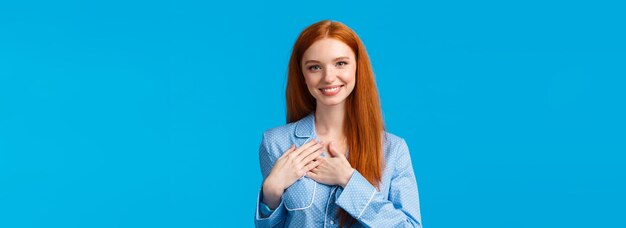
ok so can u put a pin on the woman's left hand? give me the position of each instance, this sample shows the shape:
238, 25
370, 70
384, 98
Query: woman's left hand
335, 170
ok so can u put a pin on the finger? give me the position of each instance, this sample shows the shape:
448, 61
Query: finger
290, 150
333, 150
320, 159
305, 146
310, 166
312, 156
308, 151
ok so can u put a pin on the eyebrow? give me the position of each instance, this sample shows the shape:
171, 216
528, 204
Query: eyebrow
334, 60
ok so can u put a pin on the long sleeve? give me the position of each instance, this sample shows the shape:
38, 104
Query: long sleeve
361, 199
276, 218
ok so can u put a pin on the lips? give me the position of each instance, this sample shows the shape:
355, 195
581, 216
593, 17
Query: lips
331, 90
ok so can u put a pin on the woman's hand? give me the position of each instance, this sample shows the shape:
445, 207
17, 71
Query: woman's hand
332, 171
289, 167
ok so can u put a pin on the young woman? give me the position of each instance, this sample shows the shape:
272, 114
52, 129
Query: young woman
333, 164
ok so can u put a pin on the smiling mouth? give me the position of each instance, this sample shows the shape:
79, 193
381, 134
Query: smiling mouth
330, 91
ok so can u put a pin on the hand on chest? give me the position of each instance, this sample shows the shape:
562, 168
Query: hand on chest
339, 145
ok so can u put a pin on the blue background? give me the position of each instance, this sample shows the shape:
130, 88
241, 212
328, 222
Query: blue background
150, 113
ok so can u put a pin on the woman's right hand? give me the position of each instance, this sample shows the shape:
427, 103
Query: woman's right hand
290, 167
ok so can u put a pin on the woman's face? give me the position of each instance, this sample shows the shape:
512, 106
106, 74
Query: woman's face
329, 68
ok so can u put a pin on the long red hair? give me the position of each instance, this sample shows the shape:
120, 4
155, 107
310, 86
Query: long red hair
363, 118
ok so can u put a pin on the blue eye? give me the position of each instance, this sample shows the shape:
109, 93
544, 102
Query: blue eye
342, 63
314, 67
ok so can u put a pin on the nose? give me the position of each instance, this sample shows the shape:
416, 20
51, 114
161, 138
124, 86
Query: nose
329, 75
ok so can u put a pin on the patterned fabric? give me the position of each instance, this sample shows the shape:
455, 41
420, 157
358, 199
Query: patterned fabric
308, 203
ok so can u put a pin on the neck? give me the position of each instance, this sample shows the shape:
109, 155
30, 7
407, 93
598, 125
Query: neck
329, 120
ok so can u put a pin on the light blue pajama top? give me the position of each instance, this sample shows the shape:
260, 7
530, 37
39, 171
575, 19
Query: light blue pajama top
308, 203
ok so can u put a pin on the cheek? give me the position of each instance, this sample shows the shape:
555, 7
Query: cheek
349, 76
311, 84
353, 74
350, 80
309, 78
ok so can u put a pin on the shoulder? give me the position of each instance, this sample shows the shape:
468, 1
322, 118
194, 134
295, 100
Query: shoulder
394, 146
286, 133
393, 140
280, 132
276, 140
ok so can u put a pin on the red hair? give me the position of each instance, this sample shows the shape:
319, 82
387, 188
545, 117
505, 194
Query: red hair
363, 118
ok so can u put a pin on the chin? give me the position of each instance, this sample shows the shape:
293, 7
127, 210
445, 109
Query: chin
333, 102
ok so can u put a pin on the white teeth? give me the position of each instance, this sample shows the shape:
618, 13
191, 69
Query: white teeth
331, 89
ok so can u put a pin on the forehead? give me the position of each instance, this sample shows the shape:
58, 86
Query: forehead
327, 49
